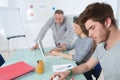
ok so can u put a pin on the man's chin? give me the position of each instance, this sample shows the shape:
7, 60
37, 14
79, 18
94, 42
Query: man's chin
97, 41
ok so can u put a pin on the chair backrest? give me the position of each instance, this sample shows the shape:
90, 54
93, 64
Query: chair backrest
2, 61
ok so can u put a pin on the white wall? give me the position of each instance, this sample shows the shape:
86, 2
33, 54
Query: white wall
4, 3
3, 41
74, 7
118, 13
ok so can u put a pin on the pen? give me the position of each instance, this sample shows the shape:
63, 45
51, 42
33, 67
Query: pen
64, 67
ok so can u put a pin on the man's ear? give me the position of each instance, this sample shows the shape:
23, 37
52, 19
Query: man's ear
108, 22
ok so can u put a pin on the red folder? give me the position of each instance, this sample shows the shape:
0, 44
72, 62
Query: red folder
15, 70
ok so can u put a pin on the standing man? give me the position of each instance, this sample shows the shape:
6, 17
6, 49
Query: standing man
99, 20
62, 29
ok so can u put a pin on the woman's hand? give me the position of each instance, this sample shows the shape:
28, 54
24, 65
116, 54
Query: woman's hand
55, 53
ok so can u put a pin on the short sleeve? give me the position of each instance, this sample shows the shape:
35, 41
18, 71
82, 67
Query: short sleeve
98, 53
95, 54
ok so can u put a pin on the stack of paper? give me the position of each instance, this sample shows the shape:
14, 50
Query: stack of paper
62, 67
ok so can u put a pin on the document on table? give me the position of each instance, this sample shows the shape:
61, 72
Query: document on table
62, 67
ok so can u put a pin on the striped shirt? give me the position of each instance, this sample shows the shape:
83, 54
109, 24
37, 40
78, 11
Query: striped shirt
83, 49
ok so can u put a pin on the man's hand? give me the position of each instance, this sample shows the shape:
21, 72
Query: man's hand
35, 46
61, 75
62, 45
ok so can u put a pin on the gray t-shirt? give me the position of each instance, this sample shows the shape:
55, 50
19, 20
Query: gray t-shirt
61, 33
109, 60
83, 49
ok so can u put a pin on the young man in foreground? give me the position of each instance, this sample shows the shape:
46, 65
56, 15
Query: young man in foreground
99, 20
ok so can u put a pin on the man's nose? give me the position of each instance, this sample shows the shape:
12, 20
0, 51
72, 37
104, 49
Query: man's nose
90, 34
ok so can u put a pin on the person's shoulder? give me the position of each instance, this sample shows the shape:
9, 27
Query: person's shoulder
51, 20
89, 39
77, 38
85, 40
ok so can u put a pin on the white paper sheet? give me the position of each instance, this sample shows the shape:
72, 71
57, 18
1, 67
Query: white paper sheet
62, 67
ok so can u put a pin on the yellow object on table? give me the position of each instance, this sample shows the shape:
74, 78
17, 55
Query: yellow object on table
40, 67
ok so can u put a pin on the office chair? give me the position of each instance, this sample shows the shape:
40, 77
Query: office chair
2, 61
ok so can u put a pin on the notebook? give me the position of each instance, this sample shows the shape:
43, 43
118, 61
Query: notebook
46, 53
15, 70
62, 67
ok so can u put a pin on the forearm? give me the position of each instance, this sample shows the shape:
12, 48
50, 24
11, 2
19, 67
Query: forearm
91, 63
68, 56
59, 49
64, 75
80, 69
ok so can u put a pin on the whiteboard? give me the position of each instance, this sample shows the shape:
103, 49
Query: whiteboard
11, 21
41, 10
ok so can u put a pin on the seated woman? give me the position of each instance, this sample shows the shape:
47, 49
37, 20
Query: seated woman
84, 48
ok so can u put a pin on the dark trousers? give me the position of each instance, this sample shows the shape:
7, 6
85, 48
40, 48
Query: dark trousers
95, 72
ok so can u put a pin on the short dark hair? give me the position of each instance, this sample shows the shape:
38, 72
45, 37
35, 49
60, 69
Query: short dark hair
98, 12
58, 11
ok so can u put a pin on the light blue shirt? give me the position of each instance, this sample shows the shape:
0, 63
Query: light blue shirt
109, 61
